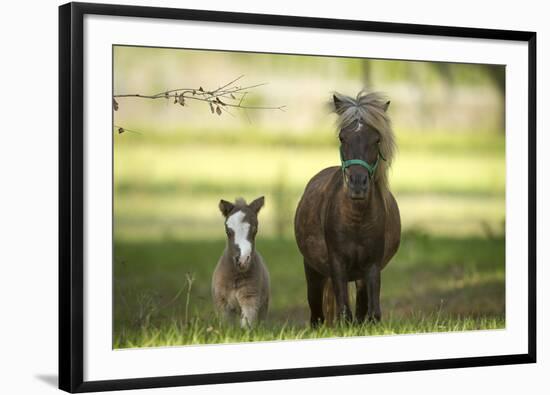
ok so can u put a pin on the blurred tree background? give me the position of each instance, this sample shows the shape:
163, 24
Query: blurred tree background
448, 177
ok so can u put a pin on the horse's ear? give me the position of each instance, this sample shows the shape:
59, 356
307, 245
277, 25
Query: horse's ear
257, 204
386, 105
226, 207
337, 103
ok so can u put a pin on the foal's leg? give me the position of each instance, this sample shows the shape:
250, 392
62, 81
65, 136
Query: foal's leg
249, 316
315, 284
249, 312
223, 309
361, 300
373, 291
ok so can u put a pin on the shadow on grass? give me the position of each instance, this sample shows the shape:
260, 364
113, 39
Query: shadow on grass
456, 277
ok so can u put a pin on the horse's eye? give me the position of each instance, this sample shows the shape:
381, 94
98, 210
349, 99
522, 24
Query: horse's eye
340, 138
228, 232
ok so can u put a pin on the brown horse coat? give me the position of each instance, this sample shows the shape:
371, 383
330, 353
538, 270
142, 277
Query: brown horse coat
348, 230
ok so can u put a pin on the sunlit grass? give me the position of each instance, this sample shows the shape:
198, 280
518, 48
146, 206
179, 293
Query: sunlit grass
206, 168
449, 141
204, 332
173, 189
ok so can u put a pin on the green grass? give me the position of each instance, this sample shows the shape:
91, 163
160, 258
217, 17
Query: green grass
170, 186
204, 332
458, 279
479, 141
448, 275
211, 169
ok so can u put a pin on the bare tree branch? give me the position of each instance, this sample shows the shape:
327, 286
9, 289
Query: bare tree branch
229, 83
121, 130
233, 96
211, 99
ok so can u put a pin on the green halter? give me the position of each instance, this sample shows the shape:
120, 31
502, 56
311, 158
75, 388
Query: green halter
370, 168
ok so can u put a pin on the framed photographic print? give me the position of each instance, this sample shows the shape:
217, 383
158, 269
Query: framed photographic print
251, 197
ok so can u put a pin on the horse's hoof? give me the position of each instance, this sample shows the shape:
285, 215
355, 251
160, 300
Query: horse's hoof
316, 322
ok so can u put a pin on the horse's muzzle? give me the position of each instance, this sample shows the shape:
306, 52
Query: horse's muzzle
358, 185
358, 195
242, 263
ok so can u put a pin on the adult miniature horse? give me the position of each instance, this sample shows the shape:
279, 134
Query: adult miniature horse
347, 223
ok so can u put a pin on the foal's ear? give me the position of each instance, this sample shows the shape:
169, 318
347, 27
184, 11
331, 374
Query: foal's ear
337, 103
386, 105
226, 207
257, 204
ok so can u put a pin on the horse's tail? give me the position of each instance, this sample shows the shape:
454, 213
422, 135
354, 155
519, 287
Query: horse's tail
329, 303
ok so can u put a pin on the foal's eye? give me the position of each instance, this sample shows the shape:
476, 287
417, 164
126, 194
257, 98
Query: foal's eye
340, 138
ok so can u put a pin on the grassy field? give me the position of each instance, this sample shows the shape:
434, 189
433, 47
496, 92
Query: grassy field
206, 332
448, 274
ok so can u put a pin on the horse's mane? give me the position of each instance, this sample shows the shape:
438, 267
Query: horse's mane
370, 108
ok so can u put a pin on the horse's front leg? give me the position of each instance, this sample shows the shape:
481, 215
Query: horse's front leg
315, 283
373, 293
249, 313
340, 284
361, 300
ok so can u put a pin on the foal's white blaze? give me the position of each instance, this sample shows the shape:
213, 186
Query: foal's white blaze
240, 228
359, 126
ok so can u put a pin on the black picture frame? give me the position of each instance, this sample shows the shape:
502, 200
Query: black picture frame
71, 197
